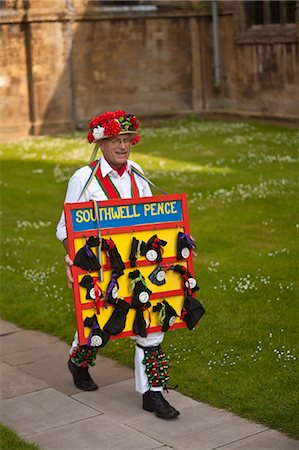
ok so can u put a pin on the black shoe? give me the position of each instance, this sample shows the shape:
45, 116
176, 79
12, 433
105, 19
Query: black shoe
155, 402
81, 376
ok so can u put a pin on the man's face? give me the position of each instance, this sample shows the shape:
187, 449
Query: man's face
116, 150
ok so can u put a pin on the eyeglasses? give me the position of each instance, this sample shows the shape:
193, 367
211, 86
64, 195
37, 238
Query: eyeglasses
119, 141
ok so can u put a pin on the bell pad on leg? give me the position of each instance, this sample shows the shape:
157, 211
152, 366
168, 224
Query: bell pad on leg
84, 356
156, 366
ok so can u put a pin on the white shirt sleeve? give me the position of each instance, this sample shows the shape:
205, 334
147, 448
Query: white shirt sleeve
74, 189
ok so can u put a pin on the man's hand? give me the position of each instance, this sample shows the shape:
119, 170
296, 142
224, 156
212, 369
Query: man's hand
194, 254
69, 263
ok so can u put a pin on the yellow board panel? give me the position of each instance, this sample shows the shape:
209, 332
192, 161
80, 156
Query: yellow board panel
176, 302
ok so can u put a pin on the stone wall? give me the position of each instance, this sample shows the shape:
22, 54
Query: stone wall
14, 101
142, 64
64, 61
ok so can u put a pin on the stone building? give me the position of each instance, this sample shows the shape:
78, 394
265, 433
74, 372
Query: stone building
64, 61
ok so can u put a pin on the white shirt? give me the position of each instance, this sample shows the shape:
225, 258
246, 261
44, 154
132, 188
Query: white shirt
95, 192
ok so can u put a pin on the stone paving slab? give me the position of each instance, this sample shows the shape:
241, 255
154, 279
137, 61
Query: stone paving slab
38, 357
16, 382
39, 362
24, 340
100, 432
56, 415
209, 427
267, 440
106, 371
21, 356
7, 327
42, 410
122, 402
119, 400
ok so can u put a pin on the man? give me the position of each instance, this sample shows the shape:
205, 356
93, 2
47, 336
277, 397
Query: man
115, 133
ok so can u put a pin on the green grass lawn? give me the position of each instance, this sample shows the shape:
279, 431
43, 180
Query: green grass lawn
9, 440
242, 187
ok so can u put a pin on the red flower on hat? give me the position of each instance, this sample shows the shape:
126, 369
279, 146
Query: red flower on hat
134, 122
120, 113
94, 122
112, 128
111, 123
90, 137
135, 139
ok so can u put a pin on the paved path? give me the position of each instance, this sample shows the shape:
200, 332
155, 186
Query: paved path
40, 402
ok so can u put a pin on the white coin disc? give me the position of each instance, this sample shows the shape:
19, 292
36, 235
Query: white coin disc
161, 275
185, 252
114, 292
191, 283
151, 255
172, 320
143, 297
96, 341
92, 294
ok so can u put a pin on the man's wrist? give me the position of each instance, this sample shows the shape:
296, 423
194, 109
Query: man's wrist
68, 260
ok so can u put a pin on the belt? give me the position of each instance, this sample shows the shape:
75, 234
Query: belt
153, 348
